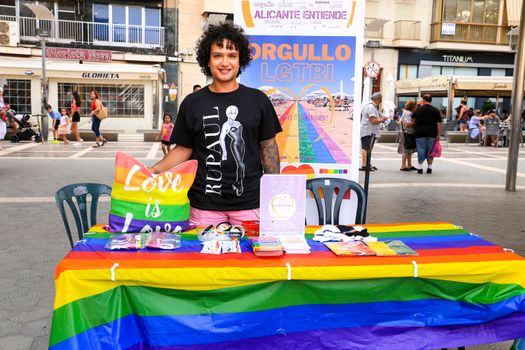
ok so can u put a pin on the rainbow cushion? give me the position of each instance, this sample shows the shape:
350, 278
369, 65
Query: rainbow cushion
144, 202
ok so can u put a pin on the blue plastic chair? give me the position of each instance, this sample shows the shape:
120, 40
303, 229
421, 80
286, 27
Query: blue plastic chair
328, 187
85, 215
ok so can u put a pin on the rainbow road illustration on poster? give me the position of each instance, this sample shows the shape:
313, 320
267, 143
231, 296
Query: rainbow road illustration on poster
310, 81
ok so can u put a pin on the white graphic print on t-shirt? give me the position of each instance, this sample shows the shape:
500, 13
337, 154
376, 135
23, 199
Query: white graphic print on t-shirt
211, 127
233, 129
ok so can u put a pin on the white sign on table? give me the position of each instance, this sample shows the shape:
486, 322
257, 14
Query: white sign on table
282, 207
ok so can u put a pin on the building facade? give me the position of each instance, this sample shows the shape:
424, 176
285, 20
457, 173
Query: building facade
114, 47
140, 54
417, 39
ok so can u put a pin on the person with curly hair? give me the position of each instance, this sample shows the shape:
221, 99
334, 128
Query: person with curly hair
229, 129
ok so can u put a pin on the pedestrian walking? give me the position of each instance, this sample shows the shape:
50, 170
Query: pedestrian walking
427, 129
64, 127
407, 137
3, 124
463, 115
76, 103
371, 120
229, 129
165, 134
96, 118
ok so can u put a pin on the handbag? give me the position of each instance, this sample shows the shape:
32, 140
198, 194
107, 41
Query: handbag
102, 112
436, 149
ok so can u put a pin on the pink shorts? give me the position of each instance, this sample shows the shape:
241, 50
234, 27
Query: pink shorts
200, 217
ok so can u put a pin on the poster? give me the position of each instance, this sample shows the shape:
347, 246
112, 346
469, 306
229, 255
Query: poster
307, 58
283, 205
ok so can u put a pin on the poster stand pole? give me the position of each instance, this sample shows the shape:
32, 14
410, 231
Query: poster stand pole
367, 172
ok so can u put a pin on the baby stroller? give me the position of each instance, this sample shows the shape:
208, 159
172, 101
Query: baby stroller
25, 130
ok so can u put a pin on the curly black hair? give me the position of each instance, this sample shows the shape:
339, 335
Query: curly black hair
216, 34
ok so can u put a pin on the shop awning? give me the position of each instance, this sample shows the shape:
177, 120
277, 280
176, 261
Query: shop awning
429, 84
513, 12
103, 72
462, 85
40, 11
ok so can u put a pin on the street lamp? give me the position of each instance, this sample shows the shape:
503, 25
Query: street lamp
42, 13
43, 34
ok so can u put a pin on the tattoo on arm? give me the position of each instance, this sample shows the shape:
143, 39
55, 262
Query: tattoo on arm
270, 156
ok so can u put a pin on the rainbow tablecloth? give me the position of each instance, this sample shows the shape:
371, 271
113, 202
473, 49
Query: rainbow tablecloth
460, 290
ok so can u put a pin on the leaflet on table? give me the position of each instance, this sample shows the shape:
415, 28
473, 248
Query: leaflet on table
283, 199
224, 246
295, 244
358, 248
266, 246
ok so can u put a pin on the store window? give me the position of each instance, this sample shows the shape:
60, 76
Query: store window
407, 71
449, 70
466, 11
498, 72
122, 100
18, 93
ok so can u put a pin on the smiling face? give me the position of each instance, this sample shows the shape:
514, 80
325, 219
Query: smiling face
224, 63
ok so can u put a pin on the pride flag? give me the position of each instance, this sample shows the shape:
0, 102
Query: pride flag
143, 202
460, 290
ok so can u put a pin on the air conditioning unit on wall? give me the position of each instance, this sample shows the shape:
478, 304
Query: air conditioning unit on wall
9, 34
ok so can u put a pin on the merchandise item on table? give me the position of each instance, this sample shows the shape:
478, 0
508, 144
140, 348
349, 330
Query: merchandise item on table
342, 233
359, 248
266, 246
221, 232
295, 244
221, 239
145, 202
349, 248
163, 240
381, 248
251, 227
400, 248
221, 246
134, 241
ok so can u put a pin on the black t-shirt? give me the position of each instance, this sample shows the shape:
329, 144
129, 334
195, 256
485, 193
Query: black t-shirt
426, 118
224, 131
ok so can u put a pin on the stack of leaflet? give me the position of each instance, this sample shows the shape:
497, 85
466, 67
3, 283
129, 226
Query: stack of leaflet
358, 248
266, 246
355, 248
295, 245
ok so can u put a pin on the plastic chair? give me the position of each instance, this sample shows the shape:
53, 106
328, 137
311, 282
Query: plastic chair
491, 129
328, 187
85, 216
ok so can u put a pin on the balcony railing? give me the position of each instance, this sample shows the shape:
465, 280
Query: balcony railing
407, 30
104, 34
472, 33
